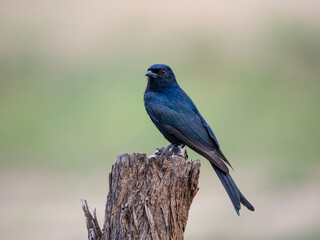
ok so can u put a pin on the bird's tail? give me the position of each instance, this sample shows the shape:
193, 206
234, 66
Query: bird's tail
233, 191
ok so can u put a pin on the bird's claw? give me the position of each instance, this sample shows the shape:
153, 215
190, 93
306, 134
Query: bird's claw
172, 149
167, 149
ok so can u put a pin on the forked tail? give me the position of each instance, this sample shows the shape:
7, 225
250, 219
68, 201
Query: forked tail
233, 191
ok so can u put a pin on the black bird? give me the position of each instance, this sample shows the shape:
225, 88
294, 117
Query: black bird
180, 122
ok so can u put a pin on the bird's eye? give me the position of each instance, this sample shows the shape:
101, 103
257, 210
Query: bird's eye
163, 72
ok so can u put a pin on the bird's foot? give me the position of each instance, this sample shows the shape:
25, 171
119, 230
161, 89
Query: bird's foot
163, 151
167, 149
173, 149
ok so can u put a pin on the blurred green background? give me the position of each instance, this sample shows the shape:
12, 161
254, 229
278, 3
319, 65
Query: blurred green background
71, 99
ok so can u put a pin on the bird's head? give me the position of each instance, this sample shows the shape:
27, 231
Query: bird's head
160, 76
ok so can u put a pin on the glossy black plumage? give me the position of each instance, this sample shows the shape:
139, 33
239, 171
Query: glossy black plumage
178, 119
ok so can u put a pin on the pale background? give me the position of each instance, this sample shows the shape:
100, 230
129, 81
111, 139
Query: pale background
71, 98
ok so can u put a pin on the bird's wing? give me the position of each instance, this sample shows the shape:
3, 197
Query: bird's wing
206, 125
213, 137
188, 127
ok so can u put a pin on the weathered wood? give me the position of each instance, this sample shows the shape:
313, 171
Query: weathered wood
150, 197
94, 231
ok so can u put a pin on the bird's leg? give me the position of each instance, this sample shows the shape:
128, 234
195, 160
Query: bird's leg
170, 146
167, 149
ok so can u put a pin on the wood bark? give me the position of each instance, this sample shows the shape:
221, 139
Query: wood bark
149, 197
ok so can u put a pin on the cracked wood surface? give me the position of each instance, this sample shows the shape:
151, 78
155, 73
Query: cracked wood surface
150, 197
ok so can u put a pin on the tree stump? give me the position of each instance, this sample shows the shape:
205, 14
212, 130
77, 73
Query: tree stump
149, 197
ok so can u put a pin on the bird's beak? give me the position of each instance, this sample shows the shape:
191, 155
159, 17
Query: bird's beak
152, 74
